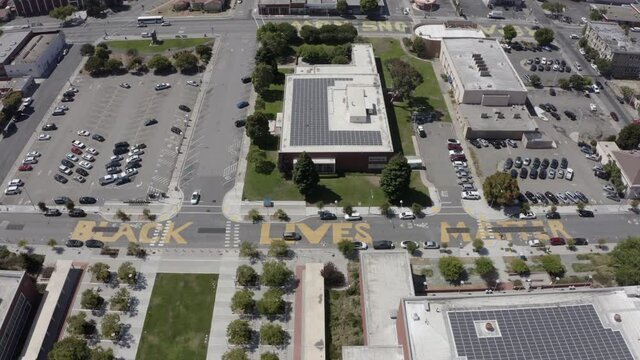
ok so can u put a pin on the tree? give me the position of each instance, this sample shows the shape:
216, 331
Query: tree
246, 275
553, 7
278, 248
262, 78
249, 250
544, 36
52, 243
100, 271
94, 7
127, 273
419, 46
134, 249
509, 33
22, 243
242, 302
102, 53
342, 6
42, 206
627, 93
114, 65
77, 325
553, 208
276, 273
110, 326
571, 243
275, 43
239, 332
552, 265
347, 209
185, 61
626, 261
564, 83
500, 189
519, 266
368, 6
70, 205
204, 51
634, 205
120, 300
305, 175
257, 127
87, 50
395, 178
122, 215
91, 300
604, 66
11, 102
385, 209
235, 354
102, 354
160, 64
596, 14
577, 82
535, 81
405, 78
484, 266
332, 276
70, 348
271, 302
451, 268
254, 215
478, 245
580, 206
62, 12
629, 137
271, 355
347, 248
272, 334
411, 247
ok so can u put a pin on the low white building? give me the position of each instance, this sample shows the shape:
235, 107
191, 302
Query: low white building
38, 56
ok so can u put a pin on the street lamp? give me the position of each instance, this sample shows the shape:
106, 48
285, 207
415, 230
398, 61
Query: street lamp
497, 284
460, 288
335, 202
400, 205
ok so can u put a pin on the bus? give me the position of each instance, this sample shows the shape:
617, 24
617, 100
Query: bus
150, 19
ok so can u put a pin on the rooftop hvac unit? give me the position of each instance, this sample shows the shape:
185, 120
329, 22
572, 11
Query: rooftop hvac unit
485, 73
500, 115
476, 56
484, 116
483, 68
516, 116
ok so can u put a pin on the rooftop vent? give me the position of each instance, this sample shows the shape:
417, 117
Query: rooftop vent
485, 73
516, 116
484, 116
500, 115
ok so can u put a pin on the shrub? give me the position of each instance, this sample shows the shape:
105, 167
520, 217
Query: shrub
242, 301
276, 273
246, 275
271, 303
519, 266
332, 276
451, 268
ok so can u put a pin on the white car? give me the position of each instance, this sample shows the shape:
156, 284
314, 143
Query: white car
72, 89
353, 217
608, 187
33, 153
136, 152
195, 197
79, 178
162, 86
85, 164
88, 157
578, 67
456, 152
116, 158
145, 35
527, 216
635, 29
16, 182
569, 174
593, 107
574, 36
460, 163
453, 141
584, 20
12, 190
593, 157
72, 157
125, 85
407, 242
62, 108
582, 52
594, 66
595, 88
359, 245
195, 83
534, 243
29, 160
130, 172
92, 151
407, 215
78, 144
470, 195
65, 170
166, 23
27, 101
44, 137
133, 158
84, 133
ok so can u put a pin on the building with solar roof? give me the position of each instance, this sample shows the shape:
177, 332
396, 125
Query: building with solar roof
337, 114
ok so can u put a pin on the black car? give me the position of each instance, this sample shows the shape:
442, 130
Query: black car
551, 197
599, 84
585, 213
246, 79
508, 164
140, 146
547, 67
67, 163
535, 164
533, 68
184, 108
620, 99
82, 172
614, 116
239, 123
543, 174
61, 179
570, 114
52, 212
73, 243
545, 163
123, 180
77, 213
113, 164
555, 115
541, 198
61, 200
383, 244
552, 107
581, 241
582, 197
533, 174
120, 150
602, 174
176, 130
514, 173
67, 99
552, 215
121, 144
113, 170
523, 173
69, 94
87, 200
94, 244
552, 92
540, 68
49, 127
134, 165
327, 215
564, 163
531, 197
98, 137
150, 122
554, 164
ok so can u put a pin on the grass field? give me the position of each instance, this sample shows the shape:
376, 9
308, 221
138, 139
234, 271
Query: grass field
179, 317
428, 95
144, 47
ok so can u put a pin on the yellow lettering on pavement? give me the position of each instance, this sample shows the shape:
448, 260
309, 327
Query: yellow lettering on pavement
341, 231
362, 233
83, 230
314, 236
175, 233
445, 236
530, 31
369, 26
123, 230
400, 26
385, 26
144, 232
557, 229
488, 30
516, 28
265, 234
296, 24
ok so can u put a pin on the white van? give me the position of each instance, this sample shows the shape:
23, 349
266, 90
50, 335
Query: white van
12, 190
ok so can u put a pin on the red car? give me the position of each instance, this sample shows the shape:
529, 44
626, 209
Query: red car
76, 151
454, 147
557, 241
25, 168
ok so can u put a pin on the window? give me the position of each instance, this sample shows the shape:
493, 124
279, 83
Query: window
377, 159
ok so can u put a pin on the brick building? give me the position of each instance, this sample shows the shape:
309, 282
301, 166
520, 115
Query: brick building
19, 301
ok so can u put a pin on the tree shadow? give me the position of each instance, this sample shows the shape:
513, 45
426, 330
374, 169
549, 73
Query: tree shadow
125, 338
413, 195
391, 113
140, 283
324, 194
132, 310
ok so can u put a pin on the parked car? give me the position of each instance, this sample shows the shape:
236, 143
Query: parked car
74, 243
383, 244
354, 216
552, 215
557, 241
407, 215
359, 245
94, 244
52, 212
585, 213
527, 216
327, 215
431, 245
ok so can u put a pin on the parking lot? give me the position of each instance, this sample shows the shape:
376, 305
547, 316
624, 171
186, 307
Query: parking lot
118, 114
547, 77
473, 8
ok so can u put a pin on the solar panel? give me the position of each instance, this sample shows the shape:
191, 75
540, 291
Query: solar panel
310, 117
558, 332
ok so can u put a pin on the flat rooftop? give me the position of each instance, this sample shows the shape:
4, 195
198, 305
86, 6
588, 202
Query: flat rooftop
372, 353
440, 31
34, 49
628, 13
313, 341
386, 279
9, 42
336, 108
578, 324
9, 283
614, 36
500, 74
488, 118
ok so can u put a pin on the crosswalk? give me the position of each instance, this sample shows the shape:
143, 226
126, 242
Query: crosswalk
231, 235
159, 232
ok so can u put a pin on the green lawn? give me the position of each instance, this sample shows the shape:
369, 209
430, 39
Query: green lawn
143, 46
179, 317
427, 95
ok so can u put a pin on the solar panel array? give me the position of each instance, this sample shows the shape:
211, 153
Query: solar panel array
310, 117
559, 332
